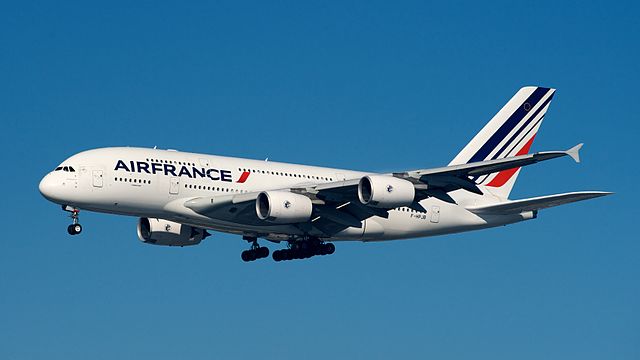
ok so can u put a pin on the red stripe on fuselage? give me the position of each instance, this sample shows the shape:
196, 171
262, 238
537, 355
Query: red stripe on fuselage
243, 177
504, 175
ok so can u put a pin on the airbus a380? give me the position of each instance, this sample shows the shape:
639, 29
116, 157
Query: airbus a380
179, 196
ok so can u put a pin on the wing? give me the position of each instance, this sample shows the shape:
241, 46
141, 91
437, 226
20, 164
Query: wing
336, 205
462, 176
239, 208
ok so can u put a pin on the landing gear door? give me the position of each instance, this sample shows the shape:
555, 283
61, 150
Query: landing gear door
97, 178
174, 186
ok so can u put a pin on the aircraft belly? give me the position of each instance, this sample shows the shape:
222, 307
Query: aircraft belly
450, 218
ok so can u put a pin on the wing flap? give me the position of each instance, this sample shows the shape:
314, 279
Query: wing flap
536, 203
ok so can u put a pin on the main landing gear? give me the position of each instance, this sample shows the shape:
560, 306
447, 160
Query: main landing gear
304, 249
300, 249
256, 251
75, 228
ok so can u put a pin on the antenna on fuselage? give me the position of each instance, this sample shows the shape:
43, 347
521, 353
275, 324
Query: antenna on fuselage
267, 159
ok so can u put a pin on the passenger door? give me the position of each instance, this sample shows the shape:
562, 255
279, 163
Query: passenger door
98, 178
435, 214
174, 186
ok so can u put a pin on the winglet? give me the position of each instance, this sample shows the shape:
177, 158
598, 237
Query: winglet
574, 152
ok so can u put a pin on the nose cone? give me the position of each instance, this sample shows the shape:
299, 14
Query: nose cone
46, 188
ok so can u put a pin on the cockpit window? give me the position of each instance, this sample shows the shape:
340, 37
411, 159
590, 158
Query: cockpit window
71, 169
66, 168
58, 168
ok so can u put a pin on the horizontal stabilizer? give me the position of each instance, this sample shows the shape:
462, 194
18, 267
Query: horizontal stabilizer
536, 203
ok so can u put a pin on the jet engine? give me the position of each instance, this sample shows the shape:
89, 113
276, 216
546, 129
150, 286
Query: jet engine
283, 207
386, 192
169, 233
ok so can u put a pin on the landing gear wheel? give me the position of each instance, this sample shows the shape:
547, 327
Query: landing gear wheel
248, 255
304, 249
256, 251
330, 248
277, 255
74, 229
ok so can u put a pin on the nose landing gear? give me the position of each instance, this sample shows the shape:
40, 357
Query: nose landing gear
75, 228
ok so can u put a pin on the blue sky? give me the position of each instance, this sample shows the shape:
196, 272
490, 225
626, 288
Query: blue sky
364, 85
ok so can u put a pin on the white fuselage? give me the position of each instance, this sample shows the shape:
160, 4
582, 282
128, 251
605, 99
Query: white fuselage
156, 183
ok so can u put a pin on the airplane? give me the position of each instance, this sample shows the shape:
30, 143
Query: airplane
180, 196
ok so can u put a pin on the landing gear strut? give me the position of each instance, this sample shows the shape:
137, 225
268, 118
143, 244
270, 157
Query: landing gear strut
256, 251
304, 249
75, 228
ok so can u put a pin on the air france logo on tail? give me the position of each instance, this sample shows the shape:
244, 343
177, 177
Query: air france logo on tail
510, 133
181, 170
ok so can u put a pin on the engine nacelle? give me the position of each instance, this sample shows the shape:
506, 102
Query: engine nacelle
283, 207
386, 192
169, 233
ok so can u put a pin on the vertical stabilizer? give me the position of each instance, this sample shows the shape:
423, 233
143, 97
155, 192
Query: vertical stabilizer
509, 133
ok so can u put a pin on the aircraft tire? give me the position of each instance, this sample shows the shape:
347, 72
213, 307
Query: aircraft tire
330, 248
74, 229
247, 256
276, 256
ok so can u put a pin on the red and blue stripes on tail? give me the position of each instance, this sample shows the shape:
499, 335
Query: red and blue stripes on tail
509, 133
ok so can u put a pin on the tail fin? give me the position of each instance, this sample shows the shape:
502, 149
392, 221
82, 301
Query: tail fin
509, 133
